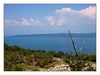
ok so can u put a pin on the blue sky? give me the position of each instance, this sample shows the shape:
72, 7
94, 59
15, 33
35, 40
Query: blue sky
49, 18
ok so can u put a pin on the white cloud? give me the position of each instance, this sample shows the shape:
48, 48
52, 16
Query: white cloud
51, 20
65, 11
89, 12
31, 22
68, 16
11, 22
64, 16
61, 21
25, 22
35, 22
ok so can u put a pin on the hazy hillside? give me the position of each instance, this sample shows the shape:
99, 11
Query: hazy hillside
58, 35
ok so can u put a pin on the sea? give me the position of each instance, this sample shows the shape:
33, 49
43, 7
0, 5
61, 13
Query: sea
53, 43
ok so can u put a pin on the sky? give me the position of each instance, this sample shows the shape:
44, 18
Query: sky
49, 18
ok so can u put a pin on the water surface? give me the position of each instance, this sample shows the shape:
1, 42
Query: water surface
52, 43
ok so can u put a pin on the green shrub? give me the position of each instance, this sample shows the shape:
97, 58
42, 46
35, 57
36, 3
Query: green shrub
28, 59
35, 69
17, 67
90, 69
42, 58
80, 66
7, 66
92, 58
53, 53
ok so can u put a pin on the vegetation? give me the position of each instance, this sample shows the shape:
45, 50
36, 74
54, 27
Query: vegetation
20, 59
16, 58
77, 60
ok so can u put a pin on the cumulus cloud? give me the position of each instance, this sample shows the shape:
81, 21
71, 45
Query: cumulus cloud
25, 22
31, 21
51, 20
11, 22
71, 17
61, 21
35, 22
89, 12
65, 11
63, 16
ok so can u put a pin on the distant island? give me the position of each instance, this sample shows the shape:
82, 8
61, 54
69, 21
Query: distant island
58, 35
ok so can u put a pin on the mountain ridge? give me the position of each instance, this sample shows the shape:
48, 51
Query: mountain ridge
57, 35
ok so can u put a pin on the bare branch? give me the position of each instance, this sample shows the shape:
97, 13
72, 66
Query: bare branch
82, 46
69, 47
75, 61
74, 46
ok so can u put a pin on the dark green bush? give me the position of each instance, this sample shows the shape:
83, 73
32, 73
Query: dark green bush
35, 69
7, 65
29, 59
43, 58
92, 58
17, 67
53, 53
80, 66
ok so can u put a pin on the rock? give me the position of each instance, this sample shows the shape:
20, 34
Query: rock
62, 67
92, 64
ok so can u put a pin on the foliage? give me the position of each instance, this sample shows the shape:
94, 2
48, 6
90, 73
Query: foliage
80, 66
92, 58
90, 69
17, 67
17, 59
35, 69
7, 65
42, 58
59, 54
14, 55
29, 59
87, 57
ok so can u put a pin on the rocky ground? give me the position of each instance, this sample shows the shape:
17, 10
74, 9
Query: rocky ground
62, 67
93, 65
58, 65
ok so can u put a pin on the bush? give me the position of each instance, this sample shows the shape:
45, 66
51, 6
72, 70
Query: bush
92, 58
59, 54
35, 69
43, 58
7, 66
29, 59
53, 53
66, 58
17, 67
80, 66
90, 68
5, 46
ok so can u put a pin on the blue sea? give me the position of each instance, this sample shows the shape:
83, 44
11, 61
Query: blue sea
53, 43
